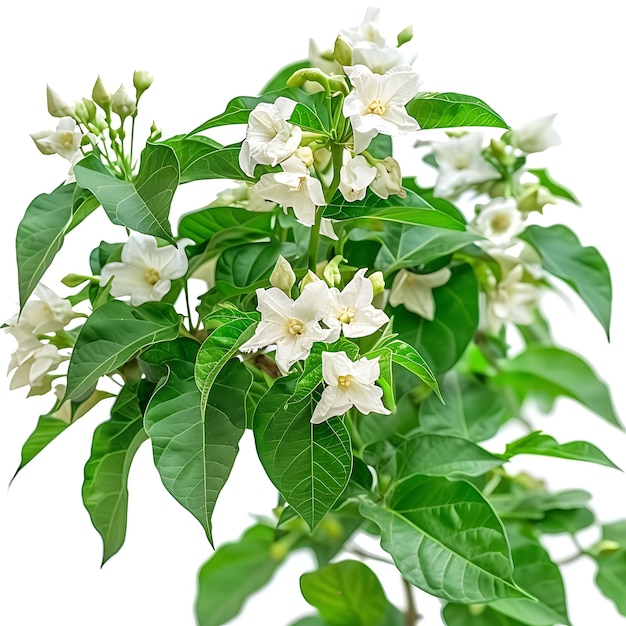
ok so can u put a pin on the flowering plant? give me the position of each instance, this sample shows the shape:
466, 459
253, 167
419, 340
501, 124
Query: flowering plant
362, 325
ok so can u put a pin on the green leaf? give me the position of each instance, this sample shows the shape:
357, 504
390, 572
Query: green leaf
51, 425
195, 448
219, 348
40, 236
442, 455
537, 574
405, 245
472, 410
309, 464
425, 526
559, 373
346, 593
279, 80
112, 334
105, 488
409, 358
452, 110
442, 341
555, 188
143, 205
220, 163
246, 266
189, 152
237, 112
475, 615
204, 225
570, 521
410, 210
311, 620
581, 267
233, 573
536, 503
545, 445
611, 577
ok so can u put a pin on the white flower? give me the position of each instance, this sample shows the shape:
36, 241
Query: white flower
64, 141
381, 58
349, 384
536, 135
32, 369
415, 291
351, 310
293, 326
510, 300
355, 176
368, 29
283, 276
293, 187
48, 314
146, 271
500, 221
376, 103
461, 164
388, 179
270, 139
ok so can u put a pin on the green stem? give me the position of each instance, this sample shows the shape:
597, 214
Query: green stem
411, 616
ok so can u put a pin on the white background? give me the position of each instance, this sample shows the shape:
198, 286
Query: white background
524, 58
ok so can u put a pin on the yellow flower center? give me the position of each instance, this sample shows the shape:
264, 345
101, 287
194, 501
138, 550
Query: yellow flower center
344, 381
67, 139
376, 107
152, 276
500, 223
294, 326
346, 315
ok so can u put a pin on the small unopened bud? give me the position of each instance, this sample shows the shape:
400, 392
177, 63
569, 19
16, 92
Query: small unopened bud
405, 35
378, 282
498, 148
283, 276
57, 107
534, 197
305, 154
476, 609
309, 277
90, 105
100, 95
141, 81
331, 272
388, 179
606, 547
123, 103
155, 132
81, 112
342, 52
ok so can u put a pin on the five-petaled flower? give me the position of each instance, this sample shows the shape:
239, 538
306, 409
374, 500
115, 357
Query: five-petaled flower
415, 291
146, 271
293, 326
349, 384
535, 135
500, 222
351, 310
377, 102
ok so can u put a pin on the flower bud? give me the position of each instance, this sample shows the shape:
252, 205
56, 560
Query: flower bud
405, 35
282, 275
123, 103
331, 272
81, 112
100, 95
57, 107
91, 108
378, 282
305, 154
388, 179
342, 51
309, 277
534, 197
141, 81
155, 132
